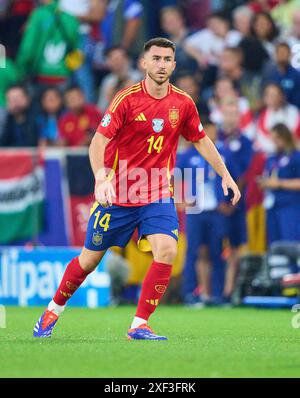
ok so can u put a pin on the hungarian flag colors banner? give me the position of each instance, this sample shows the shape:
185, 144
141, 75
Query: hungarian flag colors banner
21, 196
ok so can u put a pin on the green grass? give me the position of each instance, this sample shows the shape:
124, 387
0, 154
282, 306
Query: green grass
208, 342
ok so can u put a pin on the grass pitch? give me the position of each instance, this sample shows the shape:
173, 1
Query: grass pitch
210, 342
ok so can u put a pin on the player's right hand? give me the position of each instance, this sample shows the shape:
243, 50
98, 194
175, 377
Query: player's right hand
104, 192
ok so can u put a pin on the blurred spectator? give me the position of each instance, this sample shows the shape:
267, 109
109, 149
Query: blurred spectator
237, 153
13, 17
8, 76
52, 106
246, 83
285, 74
205, 230
122, 25
263, 5
122, 75
283, 13
190, 85
50, 36
292, 37
276, 110
207, 44
196, 12
89, 13
224, 88
242, 17
264, 29
151, 16
281, 183
78, 125
21, 128
174, 26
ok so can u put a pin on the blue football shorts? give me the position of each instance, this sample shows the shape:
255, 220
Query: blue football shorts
115, 225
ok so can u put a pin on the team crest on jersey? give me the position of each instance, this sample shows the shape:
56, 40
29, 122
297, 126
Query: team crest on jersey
106, 120
158, 125
174, 117
97, 238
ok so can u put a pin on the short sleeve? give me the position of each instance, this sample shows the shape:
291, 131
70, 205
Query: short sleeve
132, 9
192, 129
113, 119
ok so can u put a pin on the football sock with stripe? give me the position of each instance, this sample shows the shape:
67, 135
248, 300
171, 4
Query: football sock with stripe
73, 277
153, 288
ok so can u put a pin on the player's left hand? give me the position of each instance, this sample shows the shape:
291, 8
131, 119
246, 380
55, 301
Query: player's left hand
228, 183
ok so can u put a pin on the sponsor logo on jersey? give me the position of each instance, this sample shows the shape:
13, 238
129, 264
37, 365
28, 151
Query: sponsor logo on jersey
160, 288
141, 118
97, 238
105, 122
158, 125
174, 117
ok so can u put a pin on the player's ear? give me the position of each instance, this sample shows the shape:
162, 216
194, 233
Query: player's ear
143, 62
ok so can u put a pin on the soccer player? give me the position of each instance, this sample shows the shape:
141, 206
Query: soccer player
138, 136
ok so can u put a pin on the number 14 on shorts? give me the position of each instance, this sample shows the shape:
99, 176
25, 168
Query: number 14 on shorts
103, 221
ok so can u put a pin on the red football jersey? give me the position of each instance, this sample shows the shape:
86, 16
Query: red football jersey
144, 133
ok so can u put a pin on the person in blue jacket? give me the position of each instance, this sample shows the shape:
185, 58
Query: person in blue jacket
205, 230
237, 152
281, 183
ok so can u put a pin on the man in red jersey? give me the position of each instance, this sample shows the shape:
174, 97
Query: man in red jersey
132, 156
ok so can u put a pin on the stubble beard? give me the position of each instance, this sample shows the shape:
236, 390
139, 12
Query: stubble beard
158, 82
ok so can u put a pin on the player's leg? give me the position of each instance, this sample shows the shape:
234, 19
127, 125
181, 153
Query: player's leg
75, 274
164, 249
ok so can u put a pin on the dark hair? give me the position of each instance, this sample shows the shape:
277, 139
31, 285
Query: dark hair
159, 42
113, 48
274, 84
283, 132
73, 87
274, 30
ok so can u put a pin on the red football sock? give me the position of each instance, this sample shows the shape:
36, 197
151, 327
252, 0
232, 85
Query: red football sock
153, 288
73, 277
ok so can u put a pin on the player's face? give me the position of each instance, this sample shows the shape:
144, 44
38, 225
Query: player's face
159, 64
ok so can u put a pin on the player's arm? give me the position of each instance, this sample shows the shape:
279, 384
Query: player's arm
193, 131
209, 152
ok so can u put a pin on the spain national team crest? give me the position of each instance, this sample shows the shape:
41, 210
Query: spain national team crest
97, 238
174, 117
158, 125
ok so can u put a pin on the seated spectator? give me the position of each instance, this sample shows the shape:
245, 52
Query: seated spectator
173, 24
247, 83
283, 13
78, 125
285, 74
52, 105
281, 184
224, 88
50, 36
276, 110
122, 26
264, 29
89, 13
21, 128
242, 17
190, 85
8, 76
292, 37
121, 75
207, 44
263, 5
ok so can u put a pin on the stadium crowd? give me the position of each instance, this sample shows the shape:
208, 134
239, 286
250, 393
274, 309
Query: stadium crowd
239, 61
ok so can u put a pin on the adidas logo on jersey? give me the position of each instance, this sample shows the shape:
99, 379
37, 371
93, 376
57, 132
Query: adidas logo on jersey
141, 118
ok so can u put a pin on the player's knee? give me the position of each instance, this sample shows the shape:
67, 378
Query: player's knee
89, 261
166, 254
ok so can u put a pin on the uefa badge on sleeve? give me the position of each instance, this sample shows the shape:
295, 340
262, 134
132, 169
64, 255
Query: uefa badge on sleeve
105, 122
